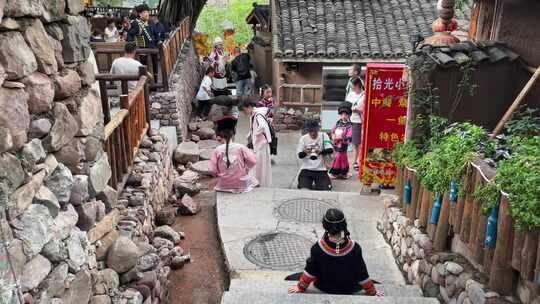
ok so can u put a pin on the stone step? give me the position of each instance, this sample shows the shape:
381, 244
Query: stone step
260, 297
154, 124
273, 286
172, 135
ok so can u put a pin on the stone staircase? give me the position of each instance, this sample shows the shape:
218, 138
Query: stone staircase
267, 233
244, 291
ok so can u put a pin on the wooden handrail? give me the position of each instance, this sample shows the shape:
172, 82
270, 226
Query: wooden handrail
115, 122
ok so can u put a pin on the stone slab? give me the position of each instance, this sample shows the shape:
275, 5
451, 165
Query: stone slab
268, 298
171, 134
273, 286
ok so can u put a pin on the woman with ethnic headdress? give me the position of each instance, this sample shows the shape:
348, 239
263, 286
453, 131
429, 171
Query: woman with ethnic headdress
336, 265
231, 162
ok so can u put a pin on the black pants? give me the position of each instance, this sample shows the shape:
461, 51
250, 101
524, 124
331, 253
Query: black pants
314, 180
203, 108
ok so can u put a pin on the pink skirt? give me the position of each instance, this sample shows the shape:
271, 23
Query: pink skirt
340, 166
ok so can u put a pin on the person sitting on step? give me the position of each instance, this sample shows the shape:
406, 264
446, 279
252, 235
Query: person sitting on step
336, 265
231, 162
311, 149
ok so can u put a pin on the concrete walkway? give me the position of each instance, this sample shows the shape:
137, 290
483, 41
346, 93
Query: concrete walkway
286, 166
242, 217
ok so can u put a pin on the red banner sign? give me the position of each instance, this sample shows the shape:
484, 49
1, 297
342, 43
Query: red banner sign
383, 122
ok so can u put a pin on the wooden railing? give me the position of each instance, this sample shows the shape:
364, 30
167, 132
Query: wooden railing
107, 52
126, 129
160, 61
462, 222
169, 51
106, 79
304, 95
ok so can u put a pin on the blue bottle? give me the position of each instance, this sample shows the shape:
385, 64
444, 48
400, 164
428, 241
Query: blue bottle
491, 228
407, 193
436, 212
453, 195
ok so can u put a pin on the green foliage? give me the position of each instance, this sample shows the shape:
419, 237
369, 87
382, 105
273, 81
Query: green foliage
525, 123
449, 154
519, 177
212, 19
406, 154
488, 195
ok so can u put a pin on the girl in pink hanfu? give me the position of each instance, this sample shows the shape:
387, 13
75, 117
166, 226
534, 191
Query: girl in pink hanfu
231, 162
341, 136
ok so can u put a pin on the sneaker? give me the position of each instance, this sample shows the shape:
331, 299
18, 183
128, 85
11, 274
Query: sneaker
355, 166
332, 176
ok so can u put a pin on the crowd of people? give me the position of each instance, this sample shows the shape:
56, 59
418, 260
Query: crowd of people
323, 156
139, 27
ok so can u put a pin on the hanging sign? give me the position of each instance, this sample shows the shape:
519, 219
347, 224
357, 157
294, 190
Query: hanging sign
383, 122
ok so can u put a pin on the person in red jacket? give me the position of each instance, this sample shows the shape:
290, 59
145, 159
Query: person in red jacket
336, 265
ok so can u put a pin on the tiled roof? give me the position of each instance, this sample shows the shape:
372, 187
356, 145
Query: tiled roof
347, 29
259, 15
459, 53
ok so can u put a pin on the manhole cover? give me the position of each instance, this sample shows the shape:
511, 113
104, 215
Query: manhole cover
303, 209
278, 250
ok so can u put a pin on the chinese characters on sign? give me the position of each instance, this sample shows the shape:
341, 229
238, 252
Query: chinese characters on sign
384, 119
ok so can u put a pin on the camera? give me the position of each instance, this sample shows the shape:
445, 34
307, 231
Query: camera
313, 152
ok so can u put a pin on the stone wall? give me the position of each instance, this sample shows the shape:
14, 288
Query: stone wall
173, 108
447, 276
65, 236
291, 119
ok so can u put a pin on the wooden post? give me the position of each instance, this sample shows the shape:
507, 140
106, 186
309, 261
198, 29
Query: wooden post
500, 278
400, 185
441, 232
124, 85
468, 208
513, 107
431, 227
478, 243
519, 239
142, 71
105, 101
528, 255
124, 104
414, 197
424, 212
420, 201
162, 61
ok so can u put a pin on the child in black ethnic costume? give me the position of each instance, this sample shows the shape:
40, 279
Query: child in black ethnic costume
336, 265
341, 137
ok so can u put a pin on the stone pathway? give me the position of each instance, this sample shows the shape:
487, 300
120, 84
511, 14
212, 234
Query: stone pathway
268, 232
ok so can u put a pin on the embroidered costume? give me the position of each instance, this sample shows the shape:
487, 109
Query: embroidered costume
267, 103
336, 268
342, 136
335, 264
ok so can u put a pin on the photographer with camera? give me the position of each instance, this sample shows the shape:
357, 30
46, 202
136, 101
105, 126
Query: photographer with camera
311, 150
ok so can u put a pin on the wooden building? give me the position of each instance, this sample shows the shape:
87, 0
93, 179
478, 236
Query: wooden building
308, 35
260, 48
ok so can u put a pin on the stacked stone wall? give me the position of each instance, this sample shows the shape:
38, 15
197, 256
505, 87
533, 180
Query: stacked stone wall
291, 119
66, 236
445, 275
173, 108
